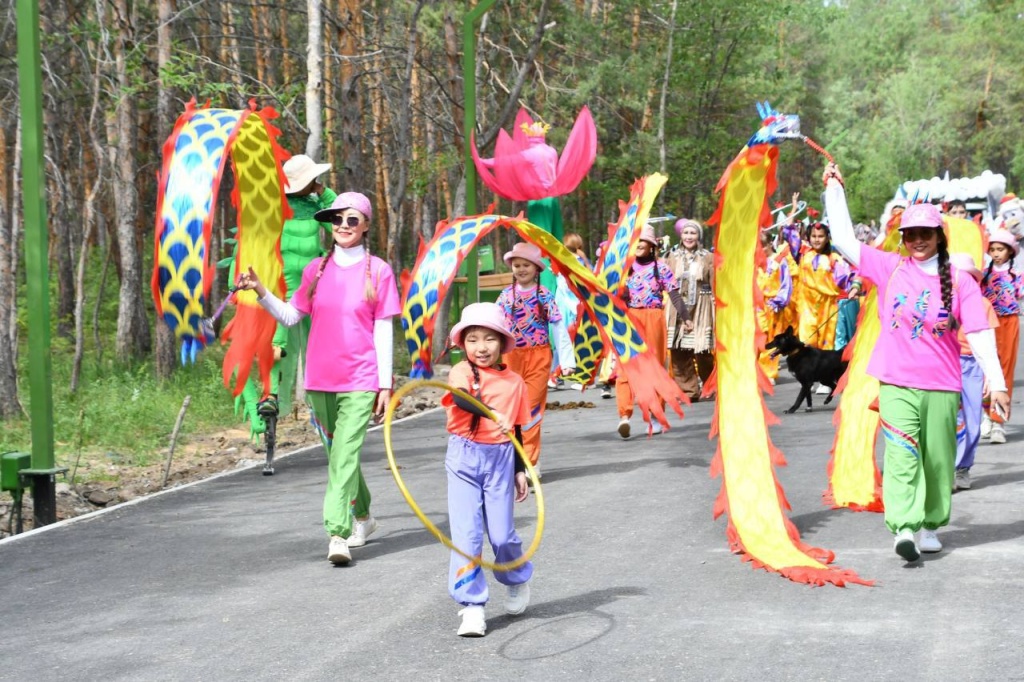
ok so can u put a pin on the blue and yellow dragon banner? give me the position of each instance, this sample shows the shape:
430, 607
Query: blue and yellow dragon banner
431, 277
194, 158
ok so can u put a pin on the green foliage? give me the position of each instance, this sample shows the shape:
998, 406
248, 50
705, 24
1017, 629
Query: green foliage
125, 412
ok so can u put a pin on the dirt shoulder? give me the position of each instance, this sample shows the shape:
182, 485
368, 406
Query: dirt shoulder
102, 481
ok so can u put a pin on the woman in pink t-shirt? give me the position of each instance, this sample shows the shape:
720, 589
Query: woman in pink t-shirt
351, 298
922, 301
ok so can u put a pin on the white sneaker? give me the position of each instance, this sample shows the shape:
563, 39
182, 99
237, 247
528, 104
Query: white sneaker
823, 390
338, 553
905, 545
518, 598
473, 622
536, 471
576, 387
986, 426
962, 479
551, 384
929, 541
998, 434
656, 428
606, 391
360, 531
624, 427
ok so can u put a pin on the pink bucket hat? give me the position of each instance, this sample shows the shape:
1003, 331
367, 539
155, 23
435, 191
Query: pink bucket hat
1005, 237
921, 215
647, 235
526, 251
346, 200
965, 262
488, 315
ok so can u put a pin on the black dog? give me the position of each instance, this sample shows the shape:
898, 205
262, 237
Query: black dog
808, 365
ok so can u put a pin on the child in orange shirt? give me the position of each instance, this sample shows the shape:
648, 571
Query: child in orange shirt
484, 473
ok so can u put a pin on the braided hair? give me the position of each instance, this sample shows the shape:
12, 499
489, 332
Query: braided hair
542, 312
946, 279
474, 423
656, 251
369, 288
988, 271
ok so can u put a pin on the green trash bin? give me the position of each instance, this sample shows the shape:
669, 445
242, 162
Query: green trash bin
485, 262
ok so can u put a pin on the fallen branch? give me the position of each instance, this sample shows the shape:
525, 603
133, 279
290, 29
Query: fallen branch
174, 438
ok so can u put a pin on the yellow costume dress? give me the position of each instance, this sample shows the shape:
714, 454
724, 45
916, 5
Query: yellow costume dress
817, 299
776, 284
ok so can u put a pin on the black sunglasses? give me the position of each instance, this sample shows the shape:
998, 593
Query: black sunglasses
351, 221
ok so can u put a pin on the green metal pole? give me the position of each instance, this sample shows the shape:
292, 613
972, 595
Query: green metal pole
36, 267
469, 123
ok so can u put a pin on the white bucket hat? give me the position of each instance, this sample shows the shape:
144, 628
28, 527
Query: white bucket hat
300, 170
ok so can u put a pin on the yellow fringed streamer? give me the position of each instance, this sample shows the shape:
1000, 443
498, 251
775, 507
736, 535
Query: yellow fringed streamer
750, 493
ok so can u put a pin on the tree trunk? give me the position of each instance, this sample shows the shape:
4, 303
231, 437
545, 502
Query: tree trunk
350, 35
314, 79
133, 338
9, 407
164, 360
662, 144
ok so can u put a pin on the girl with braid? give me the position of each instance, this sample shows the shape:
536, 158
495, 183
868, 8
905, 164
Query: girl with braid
1003, 288
530, 310
484, 473
645, 288
922, 302
350, 298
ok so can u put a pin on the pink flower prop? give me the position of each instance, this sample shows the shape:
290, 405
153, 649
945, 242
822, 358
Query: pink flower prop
524, 167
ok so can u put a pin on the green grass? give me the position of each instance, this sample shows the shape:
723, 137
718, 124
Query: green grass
125, 413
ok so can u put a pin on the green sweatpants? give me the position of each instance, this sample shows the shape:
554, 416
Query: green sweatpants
342, 419
920, 447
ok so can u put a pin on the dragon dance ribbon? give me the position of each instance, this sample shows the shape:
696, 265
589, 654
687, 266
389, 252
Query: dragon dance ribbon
751, 495
435, 268
854, 479
194, 157
616, 259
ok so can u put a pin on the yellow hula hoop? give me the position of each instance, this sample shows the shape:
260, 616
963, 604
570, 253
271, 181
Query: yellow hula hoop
389, 417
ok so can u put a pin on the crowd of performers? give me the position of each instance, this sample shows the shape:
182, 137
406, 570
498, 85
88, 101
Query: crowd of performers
945, 358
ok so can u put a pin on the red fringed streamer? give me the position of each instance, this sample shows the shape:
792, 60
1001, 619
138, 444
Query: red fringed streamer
251, 333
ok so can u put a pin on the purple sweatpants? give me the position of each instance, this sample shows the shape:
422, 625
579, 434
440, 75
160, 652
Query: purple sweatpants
968, 419
481, 494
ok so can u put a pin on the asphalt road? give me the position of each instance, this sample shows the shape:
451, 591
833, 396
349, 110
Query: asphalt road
228, 579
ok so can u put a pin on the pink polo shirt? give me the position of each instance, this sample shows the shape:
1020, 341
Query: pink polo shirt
340, 356
916, 348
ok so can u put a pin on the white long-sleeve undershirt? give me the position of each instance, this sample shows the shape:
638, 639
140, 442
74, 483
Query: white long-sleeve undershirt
982, 343
563, 345
383, 329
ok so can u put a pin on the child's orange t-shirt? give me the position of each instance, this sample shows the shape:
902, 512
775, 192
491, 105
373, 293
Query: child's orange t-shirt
502, 390
993, 321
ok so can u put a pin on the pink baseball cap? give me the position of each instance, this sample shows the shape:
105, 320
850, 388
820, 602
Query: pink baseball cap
965, 262
526, 251
921, 215
1005, 237
487, 315
343, 201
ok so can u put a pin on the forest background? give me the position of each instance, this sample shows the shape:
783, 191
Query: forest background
894, 89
